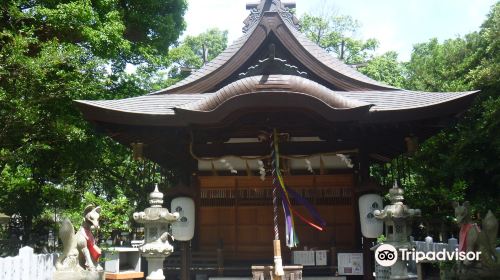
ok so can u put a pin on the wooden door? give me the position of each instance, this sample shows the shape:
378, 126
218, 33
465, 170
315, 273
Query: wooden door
238, 212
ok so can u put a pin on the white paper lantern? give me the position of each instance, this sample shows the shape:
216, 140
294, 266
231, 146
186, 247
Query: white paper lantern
183, 229
370, 227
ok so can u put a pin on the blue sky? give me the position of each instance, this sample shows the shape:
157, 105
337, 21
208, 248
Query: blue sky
396, 24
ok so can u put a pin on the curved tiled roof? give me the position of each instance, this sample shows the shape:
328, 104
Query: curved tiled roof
404, 99
342, 87
238, 53
146, 104
335, 101
211, 66
330, 61
256, 91
380, 101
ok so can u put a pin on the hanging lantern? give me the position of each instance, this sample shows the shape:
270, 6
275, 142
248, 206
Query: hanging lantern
183, 229
370, 227
138, 151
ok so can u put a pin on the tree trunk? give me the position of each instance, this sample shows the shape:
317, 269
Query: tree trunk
342, 50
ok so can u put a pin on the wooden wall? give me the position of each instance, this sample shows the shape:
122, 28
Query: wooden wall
238, 211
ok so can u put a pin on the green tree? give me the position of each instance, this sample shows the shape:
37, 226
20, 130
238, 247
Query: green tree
385, 68
51, 53
336, 34
115, 213
206, 46
444, 67
461, 162
196, 51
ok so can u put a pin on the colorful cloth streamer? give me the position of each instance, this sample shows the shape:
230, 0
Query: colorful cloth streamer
320, 223
291, 236
292, 239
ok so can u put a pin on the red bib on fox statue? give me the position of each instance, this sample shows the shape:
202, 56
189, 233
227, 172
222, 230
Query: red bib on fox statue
462, 238
95, 251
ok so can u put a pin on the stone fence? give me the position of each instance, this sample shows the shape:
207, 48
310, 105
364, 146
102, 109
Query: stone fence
28, 266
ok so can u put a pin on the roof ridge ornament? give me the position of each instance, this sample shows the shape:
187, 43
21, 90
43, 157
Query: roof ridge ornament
259, 8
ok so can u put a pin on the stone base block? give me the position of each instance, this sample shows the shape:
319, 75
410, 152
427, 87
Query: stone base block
266, 272
78, 275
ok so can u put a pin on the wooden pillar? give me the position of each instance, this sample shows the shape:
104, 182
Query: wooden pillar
185, 264
364, 166
364, 180
333, 259
368, 258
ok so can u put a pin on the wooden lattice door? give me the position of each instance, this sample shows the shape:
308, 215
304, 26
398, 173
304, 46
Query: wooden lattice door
237, 210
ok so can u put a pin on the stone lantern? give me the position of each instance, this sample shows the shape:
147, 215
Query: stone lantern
397, 217
156, 220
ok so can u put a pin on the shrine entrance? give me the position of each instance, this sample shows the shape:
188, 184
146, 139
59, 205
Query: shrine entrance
237, 211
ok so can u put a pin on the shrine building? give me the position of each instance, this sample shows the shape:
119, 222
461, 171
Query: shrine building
333, 122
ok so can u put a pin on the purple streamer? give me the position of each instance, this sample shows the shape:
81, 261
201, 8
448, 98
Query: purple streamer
310, 208
290, 231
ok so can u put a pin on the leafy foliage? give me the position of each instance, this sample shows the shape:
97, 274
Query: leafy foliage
115, 213
443, 67
336, 35
54, 52
461, 162
386, 68
196, 51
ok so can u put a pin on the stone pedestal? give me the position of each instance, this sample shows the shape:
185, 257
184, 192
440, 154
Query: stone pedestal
122, 260
79, 275
266, 272
155, 268
400, 271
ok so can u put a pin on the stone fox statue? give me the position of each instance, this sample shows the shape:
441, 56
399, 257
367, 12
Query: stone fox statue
473, 238
79, 249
